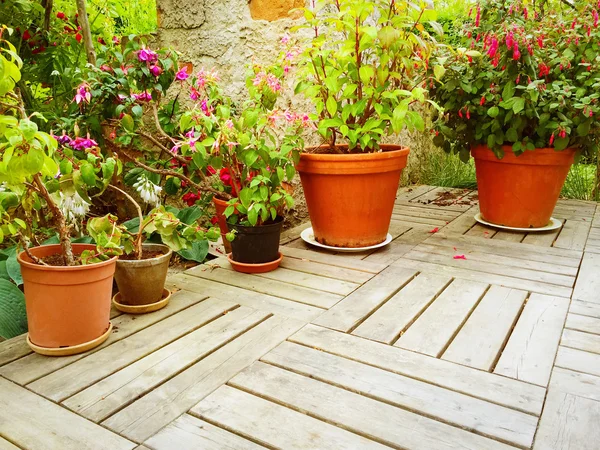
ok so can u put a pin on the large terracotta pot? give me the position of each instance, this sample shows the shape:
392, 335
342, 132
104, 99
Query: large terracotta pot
350, 198
66, 306
220, 206
520, 191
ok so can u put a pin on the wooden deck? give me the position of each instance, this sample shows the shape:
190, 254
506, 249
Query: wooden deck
453, 336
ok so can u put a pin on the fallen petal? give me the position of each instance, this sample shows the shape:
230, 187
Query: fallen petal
460, 257
435, 230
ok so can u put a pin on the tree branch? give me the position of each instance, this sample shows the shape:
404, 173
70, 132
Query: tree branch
138, 239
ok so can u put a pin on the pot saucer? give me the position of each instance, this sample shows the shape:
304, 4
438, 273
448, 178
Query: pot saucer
74, 349
142, 309
308, 236
254, 268
553, 225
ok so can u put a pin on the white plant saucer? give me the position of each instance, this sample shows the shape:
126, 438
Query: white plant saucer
553, 225
308, 236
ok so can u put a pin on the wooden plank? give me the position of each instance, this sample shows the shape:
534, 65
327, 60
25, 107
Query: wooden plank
409, 192
6, 445
462, 224
576, 383
312, 281
436, 197
419, 220
400, 246
416, 211
67, 381
273, 425
252, 299
496, 268
532, 346
434, 329
587, 287
191, 433
299, 294
348, 313
511, 236
542, 238
144, 417
36, 423
581, 341
456, 409
583, 323
569, 422
121, 388
474, 275
293, 233
13, 349
35, 366
481, 339
479, 230
338, 273
585, 308
578, 360
490, 387
334, 260
573, 235
489, 257
395, 315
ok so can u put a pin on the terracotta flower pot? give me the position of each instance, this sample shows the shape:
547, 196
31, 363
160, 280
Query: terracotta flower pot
66, 306
220, 206
350, 198
142, 282
520, 191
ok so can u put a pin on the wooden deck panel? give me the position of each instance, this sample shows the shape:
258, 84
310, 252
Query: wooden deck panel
400, 347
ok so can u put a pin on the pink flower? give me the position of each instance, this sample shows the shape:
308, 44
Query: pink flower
229, 124
478, 17
156, 71
147, 55
205, 108
435, 230
493, 48
516, 52
194, 94
459, 257
143, 97
595, 17
116, 40
83, 94
82, 144
285, 39
552, 139
182, 75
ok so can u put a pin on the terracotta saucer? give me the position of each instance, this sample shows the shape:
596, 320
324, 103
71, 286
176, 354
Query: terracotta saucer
142, 309
74, 349
254, 268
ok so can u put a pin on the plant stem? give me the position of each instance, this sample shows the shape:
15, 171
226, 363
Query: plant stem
87, 33
138, 238
34, 258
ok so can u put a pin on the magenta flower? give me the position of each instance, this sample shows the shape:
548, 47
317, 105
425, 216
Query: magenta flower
194, 94
143, 97
156, 71
229, 124
182, 75
147, 55
83, 94
285, 39
81, 144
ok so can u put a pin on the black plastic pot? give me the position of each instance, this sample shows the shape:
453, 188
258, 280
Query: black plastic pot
256, 245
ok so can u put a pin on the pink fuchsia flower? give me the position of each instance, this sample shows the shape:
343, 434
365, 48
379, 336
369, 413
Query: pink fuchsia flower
516, 52
493, 48
156, 70
116, 40
232, 144
595, 17
206, 109
64, 139
147, 55
204, 77
285, 39
229, 124
83, 94
142, 97
182, 74
194, 94
478, 17
81, 144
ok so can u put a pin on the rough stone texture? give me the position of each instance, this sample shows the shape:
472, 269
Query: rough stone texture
222, 34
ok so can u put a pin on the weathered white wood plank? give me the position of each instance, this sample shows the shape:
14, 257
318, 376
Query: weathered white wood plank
583, 323
576, 383
573, 235
34, 366
299, 294
568, 423
438, 197
5, 445
481, 339
419, 220
578, 360
416, 211
511, 236
353, 309
587, 287
435, 328
36, 423
582, 341
494, 388
121, 388
334, 260
275, 305
409, 192
489, 278
542, 238
67, 381
479, 230
532, 346
150, 413
293, 233
273, 425
13, 349
338, 273
432, 401
400, 246
496, 268
395, 315
191, 433
461, 224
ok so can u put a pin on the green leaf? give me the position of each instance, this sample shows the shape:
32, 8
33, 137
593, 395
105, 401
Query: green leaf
584, 128
290, 172
13, 268
13, 317
246, 197
127, 122
512, 135
137, 111
493, 112
195, 252
28, 128
561, 143
518, 105
190, 215
331, 106
509, 90
88, 174
253, 216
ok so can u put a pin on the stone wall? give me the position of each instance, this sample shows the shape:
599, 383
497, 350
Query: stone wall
229, 34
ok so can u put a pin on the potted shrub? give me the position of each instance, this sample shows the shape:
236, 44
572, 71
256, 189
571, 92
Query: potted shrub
365, 70
67, 286
522, 100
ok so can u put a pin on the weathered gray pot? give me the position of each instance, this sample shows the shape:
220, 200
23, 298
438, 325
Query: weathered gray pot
142, 282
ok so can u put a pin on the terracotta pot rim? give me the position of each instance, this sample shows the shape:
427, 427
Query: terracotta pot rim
393, 151
148, 261
217, 200
546, 156
21, 259
241, 265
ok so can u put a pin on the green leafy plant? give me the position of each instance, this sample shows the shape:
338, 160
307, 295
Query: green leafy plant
365, 69
524, 79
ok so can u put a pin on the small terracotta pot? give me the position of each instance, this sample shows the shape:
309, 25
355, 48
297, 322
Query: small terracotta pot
520, 191
220, 207
350, 197
66, 306
141, 282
